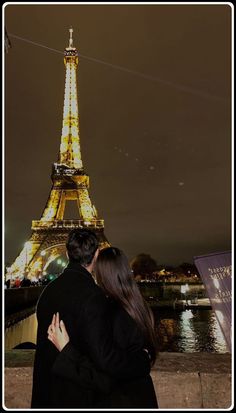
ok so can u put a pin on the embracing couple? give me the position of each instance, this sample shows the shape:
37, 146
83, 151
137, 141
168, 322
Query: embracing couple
95, 339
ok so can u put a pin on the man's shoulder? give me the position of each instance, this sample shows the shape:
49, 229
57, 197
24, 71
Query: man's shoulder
95, 294
95, 301
71, 284
84, 289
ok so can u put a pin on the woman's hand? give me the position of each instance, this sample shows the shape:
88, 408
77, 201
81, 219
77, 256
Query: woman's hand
57, 333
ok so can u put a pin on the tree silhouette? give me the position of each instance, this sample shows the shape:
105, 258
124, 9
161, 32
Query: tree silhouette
143, 264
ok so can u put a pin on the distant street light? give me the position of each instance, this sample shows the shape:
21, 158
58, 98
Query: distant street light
183, 290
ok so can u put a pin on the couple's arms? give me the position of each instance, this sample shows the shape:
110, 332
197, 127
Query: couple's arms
70, 364
106, 360
103, 351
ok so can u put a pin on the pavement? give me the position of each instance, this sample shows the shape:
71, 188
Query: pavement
181, 380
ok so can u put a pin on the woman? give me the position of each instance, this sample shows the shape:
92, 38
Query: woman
133, 328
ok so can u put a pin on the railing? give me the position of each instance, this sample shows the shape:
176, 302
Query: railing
68, 223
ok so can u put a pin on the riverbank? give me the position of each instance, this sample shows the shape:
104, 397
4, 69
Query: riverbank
181, 380
198, 304
158, 294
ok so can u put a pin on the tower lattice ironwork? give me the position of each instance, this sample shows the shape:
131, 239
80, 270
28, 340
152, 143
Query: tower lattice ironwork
69, 183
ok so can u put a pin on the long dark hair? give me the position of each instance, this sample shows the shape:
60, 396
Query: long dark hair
114, 276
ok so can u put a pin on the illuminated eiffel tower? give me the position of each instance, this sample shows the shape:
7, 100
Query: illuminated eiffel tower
69, 183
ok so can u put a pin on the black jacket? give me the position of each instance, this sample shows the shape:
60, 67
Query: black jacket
70, 364
84, 309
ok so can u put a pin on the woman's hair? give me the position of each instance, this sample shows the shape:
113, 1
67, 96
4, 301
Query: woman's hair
114, 276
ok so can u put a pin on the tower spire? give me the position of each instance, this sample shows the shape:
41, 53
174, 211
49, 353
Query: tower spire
71, 38
70, 153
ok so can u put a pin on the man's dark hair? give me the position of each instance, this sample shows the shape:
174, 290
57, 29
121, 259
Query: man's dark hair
81, 246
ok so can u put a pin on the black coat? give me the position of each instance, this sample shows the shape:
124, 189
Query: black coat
84, 309
135, 393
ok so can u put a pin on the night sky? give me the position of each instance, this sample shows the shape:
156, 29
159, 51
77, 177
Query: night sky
155, 122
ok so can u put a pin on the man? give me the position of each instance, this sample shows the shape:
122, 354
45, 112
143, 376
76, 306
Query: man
25, 282
84, 309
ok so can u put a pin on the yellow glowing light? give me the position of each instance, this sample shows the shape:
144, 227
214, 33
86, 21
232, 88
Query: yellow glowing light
95, 212
52, 206
87, 211
70, 153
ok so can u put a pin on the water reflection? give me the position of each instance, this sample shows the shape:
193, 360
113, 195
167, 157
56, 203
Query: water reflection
189, 331
178, 331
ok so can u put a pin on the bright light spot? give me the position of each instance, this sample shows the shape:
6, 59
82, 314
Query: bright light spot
219, 334
63, 264
43, 253
216, 282
186, 316
59, 261
183, 289
187, 330
228, 271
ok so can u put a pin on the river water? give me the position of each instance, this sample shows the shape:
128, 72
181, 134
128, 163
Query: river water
188, 331
177, 331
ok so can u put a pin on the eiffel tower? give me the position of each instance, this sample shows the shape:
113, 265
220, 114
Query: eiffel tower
69, 183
